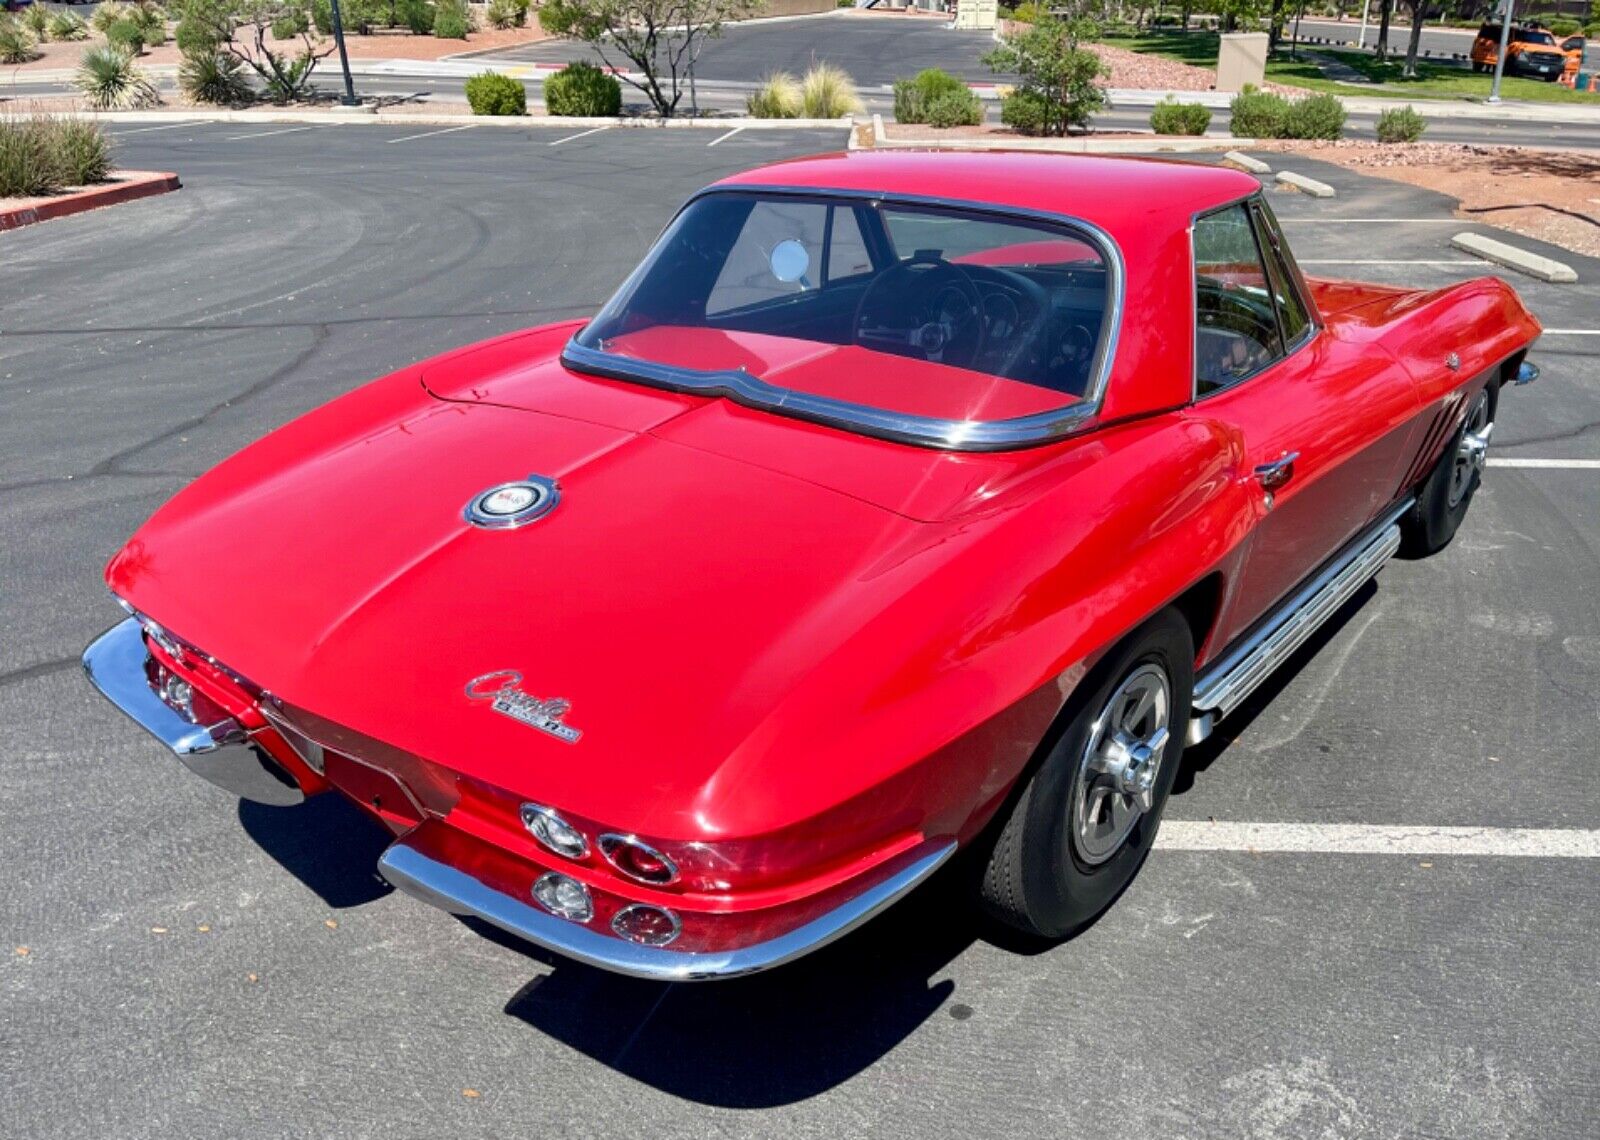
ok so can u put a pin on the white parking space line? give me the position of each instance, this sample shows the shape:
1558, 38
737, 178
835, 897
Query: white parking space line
265, 134
1378, 839
430, 134
724, 138
1574, 464
1374, 221
1388, 261
162, 127
1570, 332
579, 135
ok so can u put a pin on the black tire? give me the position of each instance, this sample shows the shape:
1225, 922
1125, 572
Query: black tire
1037, 878
1430, 525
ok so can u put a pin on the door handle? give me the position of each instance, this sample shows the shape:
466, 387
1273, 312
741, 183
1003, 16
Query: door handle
1276, 474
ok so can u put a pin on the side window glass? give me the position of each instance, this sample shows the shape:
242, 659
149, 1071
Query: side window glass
1236, 326
847, 249
1291, 309
749, 275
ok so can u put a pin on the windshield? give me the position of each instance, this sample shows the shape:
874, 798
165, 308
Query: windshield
927, 312
1528, 37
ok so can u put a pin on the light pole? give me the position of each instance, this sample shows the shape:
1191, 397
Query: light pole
1361, 40
1500, 56
348, 99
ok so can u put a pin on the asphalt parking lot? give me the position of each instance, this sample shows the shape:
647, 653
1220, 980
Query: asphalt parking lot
174, 963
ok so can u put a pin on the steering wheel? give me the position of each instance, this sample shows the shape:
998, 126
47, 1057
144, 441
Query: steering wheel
923, 306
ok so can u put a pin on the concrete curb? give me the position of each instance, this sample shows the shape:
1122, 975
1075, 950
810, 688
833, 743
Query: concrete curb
133, 184
368, 118
1532, 264
1088, 144
1305, 185
1245, 162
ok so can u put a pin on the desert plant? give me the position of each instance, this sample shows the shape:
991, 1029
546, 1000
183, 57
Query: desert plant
81, 151
828, 92
109, 13
955, 109
494, 94
582, 89
1564, 26
111, 81
240, 28
1400, 125
1171, 117
778, 97
151, 20
912, 96
1257, 114
291, 25
451, 20
1058, 90
68, 26
418, 16
1319, 116
27, 168
127, 36
36, 18
16, 42
503, 14
211, 76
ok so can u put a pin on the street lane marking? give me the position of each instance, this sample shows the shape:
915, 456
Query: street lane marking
1374, 221
723, 138
1575, 464
162, 127
1387, 261
1378, 839
1570, 332
265, 134
579, 135
430, 134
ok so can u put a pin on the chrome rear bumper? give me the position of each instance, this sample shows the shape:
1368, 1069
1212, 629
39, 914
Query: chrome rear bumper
221, 752
417, 873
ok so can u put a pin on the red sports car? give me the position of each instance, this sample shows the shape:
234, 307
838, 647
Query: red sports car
896, 503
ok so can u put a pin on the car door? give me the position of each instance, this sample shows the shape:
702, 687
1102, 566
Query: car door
1323, 423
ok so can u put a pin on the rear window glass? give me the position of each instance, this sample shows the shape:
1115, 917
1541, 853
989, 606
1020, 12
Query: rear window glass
925, 311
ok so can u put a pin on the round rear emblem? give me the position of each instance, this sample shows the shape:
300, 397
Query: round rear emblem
508, 505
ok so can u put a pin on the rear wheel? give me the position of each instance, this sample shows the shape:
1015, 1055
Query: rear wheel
1444, 497
1088, 815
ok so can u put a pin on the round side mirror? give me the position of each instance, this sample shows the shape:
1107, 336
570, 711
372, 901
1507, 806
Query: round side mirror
789, 261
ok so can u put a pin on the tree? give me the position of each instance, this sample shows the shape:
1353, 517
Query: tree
1418, 7
1381, 48
1058, 89
239, 28
661, 38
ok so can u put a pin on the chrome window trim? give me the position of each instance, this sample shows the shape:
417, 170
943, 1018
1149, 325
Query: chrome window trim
922, 431
1313, 322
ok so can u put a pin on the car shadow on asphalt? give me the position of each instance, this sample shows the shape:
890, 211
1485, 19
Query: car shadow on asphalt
327, 843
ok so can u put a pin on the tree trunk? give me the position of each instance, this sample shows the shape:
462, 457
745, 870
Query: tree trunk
1185, 13
1415, 42
1381, 49
1274, 26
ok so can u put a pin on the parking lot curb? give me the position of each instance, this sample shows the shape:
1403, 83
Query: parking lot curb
368, 118
130, 185
1534, 265
1087, 144
1245, 162
1305, 185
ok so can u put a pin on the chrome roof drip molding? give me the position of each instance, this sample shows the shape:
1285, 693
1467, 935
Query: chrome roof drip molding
921, 431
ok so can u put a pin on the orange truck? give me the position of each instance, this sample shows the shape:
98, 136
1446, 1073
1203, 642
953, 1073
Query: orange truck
1532, 51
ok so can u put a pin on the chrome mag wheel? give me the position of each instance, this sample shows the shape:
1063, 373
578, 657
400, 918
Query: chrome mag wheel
1117, 773
1471, 450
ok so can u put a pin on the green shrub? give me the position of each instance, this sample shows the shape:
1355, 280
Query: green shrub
1030, 13
778, 97
1562, 26
418, 16
582, 89
291, 26
451, 20
1319, 116
198, 30
27, 168
955, 109
494, 94
1027, 112
210, 76
1400, 125
291, 79
1058, 90
82, 152
503, 14
151, 21
1258, 114
67, 26
1171, 117
109, 13
16, 42
828, 92
36, 18
111, 81
126, 36
912, 96
321, 19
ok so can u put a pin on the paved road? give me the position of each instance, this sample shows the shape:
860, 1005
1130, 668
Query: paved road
198, 967
1439, 41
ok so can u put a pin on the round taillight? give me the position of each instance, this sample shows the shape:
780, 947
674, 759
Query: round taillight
638, 860
564, 896
554, 832
645, 924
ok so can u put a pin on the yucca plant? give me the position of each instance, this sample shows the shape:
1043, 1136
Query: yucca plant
66, 26
16, 42
779, 97
214, 77
107, 14
36, 18
27, 168
111, 81
828, 92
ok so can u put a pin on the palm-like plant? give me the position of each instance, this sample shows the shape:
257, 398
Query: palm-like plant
111, 81
16, 42
214, 77
66, 26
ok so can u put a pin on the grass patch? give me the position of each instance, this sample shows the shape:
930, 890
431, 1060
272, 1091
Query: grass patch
1197, 48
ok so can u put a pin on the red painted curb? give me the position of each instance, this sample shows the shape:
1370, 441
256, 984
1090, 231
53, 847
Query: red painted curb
134, 184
